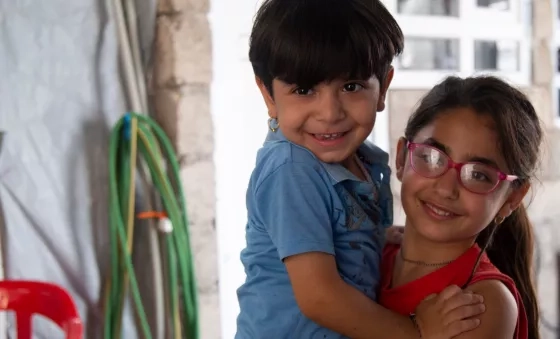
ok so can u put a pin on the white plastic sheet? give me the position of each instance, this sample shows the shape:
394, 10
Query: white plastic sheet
60, 93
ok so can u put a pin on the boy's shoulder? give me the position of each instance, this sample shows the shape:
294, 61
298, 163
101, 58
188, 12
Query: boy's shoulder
373, 154
276, 153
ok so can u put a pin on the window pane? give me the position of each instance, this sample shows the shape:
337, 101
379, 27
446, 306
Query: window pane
496, 55
430, 7
502, 5
430, 54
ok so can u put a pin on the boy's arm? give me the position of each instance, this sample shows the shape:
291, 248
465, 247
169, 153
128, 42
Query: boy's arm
295, 206
326, 299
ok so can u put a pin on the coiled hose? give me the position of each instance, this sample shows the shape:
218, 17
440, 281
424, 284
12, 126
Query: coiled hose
137, 137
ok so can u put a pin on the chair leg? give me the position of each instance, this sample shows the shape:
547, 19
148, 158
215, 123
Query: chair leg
74, 329
23, 321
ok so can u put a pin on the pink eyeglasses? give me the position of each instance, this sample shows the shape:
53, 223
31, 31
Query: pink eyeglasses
476, 177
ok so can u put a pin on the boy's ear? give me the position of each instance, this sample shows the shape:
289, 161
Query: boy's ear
400, 160
268, 100
384, 88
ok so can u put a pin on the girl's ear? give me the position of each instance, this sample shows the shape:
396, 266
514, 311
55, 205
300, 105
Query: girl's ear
400, 160
514, 200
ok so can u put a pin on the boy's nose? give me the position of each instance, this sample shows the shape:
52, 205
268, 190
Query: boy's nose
331, 109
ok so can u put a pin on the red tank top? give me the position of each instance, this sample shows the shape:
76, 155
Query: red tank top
404, 299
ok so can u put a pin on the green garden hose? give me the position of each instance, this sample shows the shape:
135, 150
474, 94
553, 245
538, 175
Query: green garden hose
136, 138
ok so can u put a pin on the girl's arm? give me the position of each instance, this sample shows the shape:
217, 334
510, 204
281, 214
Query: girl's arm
327, 300
500, 320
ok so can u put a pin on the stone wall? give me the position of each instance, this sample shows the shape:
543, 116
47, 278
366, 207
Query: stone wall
181, 95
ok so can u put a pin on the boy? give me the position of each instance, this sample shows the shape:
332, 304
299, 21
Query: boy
319, 199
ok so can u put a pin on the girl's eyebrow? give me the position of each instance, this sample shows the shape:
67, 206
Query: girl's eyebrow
470, 157
436, 144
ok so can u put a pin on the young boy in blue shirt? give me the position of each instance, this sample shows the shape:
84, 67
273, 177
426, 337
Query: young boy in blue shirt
319, 200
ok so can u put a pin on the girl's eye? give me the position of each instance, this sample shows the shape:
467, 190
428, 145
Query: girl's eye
303, 91
479, 176
353, 87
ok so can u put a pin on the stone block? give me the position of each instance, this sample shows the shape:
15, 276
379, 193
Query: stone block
543, 24
193, 47
199, 187
183, 50
543, 70
545, 215
164, 57
550, 159
210, 326
167, 7
165, 104
196, 131
541, 98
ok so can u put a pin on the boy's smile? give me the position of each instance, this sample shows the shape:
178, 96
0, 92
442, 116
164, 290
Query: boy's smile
331, 119
329, 139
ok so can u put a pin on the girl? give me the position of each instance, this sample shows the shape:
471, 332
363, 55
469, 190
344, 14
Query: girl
465, 165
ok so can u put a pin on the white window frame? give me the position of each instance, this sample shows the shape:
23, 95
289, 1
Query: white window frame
473, 23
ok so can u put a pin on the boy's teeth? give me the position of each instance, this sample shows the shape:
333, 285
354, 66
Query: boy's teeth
438, 211
328, 136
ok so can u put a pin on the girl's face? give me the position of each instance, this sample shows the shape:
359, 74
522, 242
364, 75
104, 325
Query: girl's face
442, 209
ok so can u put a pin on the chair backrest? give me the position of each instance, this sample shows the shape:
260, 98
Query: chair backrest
26, 298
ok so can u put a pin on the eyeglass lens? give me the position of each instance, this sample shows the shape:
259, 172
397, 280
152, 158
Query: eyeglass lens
431, 162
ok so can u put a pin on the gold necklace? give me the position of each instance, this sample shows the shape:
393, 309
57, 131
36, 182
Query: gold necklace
422, 263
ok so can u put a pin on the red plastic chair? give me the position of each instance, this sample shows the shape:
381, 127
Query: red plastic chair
26, 298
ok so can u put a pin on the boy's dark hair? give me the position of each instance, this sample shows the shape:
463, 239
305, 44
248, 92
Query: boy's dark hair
306, 42
510, 245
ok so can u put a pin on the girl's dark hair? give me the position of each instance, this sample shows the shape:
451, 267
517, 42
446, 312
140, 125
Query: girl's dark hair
509, 246
305, 42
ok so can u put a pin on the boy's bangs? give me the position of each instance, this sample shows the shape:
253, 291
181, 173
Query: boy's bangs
333, 52
309, 64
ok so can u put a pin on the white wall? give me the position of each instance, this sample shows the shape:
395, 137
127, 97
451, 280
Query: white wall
240, 123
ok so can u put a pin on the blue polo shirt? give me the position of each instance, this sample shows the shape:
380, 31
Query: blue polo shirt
298, 204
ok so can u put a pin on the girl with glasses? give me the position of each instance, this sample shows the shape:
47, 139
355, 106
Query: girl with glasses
465, 163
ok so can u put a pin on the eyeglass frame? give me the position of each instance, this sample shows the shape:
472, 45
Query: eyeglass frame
458, 166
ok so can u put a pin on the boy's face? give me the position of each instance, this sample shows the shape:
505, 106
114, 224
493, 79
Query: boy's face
331, 119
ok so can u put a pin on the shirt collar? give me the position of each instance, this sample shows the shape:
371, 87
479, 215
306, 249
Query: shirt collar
367, 152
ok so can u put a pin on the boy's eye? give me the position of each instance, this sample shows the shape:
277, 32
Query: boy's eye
352, 87
303, 91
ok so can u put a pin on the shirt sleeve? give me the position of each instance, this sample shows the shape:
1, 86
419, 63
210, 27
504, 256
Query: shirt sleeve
295, 206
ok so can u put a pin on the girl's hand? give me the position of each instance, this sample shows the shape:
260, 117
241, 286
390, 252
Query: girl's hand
449, 313
394, 235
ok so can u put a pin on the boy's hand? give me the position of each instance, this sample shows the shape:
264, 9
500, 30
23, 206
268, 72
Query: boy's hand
394, 235
449, 313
